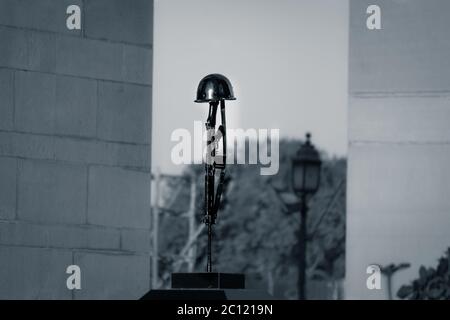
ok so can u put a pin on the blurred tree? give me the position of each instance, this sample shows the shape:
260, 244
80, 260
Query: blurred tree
432, 283
258, 223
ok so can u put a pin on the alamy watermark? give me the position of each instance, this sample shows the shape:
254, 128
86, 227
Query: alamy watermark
262, 144
374, 279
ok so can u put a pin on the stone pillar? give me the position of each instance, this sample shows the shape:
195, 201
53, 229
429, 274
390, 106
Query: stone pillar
399, 140
75, 128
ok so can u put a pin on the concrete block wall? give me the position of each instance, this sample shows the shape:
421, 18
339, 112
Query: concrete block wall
399, 152
75, 128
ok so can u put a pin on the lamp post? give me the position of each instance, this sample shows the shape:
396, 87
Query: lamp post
306, 166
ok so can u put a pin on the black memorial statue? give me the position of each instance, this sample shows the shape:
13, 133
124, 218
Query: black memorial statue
213, 89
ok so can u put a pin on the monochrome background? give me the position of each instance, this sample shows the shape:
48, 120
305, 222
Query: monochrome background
86, 117
398, 209
286, 60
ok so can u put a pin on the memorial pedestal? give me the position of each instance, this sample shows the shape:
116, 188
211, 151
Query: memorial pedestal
207, 286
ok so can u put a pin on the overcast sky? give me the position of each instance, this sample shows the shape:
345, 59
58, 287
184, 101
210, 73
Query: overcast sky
286, 59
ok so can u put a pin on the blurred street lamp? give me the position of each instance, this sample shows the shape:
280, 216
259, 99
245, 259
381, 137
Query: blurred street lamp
306, 166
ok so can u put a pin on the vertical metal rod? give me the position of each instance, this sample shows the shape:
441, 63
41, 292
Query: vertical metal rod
209, 263
209, 180
192, 250
207, 216
302, 238
224, 125
389, 286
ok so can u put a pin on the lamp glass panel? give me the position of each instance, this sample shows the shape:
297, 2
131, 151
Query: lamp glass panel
312, 177
297, 176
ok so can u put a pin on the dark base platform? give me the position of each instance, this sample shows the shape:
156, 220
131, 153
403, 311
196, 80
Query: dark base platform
206, 294
207, 286
208, 280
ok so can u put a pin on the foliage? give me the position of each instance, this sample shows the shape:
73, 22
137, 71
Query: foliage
258, 222
432, 284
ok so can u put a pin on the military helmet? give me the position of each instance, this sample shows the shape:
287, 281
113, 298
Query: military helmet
214, 87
